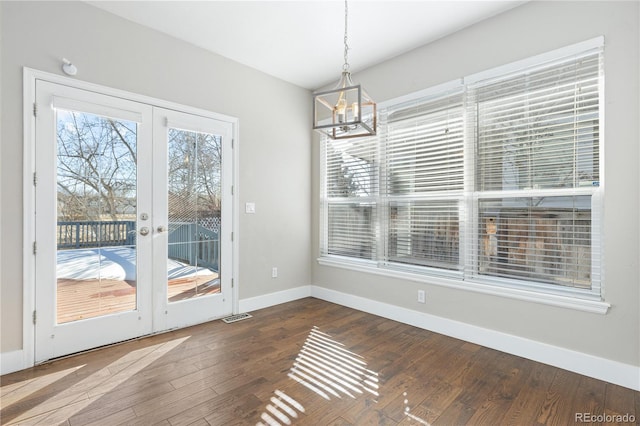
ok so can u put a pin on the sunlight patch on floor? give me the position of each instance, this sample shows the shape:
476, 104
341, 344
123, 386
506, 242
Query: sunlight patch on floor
325, 363
328, 369
72, 400
411, 416
15, 392
284, 408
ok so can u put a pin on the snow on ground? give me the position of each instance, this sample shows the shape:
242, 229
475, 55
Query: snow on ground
118, 263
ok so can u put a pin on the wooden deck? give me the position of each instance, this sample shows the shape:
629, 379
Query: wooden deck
307, 362
82, 299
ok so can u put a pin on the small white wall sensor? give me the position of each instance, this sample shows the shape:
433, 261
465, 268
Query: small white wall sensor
68, 67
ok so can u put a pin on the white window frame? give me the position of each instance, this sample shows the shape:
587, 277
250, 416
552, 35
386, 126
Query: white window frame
550, 294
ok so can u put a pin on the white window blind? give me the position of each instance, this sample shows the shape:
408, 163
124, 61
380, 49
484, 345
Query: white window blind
541, 239
350, 194
495, 179
539, 128
537, 165
424, 153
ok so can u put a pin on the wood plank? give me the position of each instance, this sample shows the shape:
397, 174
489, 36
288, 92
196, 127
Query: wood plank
619, 401
513, 373
560, 404
173, 408
82, 299
435, 401
529, 403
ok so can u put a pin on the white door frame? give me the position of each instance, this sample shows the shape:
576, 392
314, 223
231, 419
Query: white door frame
28, 267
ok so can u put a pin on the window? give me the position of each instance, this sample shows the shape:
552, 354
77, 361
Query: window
494, 179
537, 165
351, 185
424, 181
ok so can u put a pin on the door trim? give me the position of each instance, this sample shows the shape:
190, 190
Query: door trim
30, 76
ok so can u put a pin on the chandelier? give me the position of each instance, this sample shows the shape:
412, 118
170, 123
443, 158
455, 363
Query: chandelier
346, 111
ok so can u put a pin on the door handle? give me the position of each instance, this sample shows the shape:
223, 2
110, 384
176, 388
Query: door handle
162, 228
144, 230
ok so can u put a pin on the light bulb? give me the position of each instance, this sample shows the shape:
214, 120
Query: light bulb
356, 111
341, 109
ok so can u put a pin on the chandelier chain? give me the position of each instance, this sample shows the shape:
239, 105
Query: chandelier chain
345, 67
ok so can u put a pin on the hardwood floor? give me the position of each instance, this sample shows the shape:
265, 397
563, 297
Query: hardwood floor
307, 362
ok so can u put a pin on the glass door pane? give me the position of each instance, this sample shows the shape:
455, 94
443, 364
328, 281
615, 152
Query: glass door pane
194, 214
96, 216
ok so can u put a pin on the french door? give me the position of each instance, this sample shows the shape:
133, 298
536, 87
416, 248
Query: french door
132, 219
192, 213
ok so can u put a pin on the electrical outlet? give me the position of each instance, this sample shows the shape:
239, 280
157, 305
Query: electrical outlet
422, 298
274, 272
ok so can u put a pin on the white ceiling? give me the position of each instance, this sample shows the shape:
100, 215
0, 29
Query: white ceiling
302, 41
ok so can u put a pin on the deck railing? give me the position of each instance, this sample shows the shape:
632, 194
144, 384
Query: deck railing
194, 244
88, 234
188, 242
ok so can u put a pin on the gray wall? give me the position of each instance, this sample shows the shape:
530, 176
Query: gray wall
274, 150
533, 28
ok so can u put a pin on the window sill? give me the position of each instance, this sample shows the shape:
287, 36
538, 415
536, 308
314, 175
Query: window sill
585, 305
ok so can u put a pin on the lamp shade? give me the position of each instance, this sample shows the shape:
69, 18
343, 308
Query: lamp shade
345, 111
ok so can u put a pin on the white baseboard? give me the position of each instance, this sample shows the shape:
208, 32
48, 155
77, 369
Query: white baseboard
272, 299
12, 361
599, 368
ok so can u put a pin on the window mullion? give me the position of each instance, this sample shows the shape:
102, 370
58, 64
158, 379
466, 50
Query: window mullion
469, 219
383, 190
324, 207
